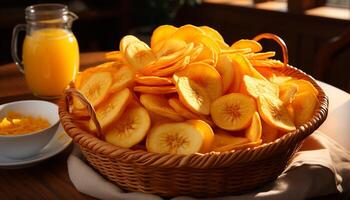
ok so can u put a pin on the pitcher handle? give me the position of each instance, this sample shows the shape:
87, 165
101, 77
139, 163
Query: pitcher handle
14, 46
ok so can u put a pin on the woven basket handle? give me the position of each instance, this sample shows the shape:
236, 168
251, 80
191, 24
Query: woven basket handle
72, 91
278, 40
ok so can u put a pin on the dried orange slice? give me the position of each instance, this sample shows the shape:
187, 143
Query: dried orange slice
131, 128
159, 105
251, 44
193, 96
253, 132
273, 112
233, 111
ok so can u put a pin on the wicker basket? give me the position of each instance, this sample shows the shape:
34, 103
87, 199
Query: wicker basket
198, 175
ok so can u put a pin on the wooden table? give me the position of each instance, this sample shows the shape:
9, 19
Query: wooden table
49, 179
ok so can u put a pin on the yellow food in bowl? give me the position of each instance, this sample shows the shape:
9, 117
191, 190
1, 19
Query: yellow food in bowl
15, 123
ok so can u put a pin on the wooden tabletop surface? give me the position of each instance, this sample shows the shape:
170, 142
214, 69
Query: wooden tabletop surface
49, 179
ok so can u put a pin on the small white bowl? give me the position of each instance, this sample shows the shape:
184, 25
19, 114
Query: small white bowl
29, 144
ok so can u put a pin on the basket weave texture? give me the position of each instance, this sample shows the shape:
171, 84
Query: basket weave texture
198, 175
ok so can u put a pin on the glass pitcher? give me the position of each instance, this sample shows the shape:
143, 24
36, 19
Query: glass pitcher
50, 50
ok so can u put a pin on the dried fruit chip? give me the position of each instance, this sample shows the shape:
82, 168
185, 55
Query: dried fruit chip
233, 111
273, 112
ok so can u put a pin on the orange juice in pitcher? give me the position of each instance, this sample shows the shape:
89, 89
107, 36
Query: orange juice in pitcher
51, 60
50, 50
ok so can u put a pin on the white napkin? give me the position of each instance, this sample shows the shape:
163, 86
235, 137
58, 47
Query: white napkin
321, 167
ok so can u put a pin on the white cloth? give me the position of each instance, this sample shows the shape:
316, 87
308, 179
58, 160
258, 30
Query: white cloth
321, 167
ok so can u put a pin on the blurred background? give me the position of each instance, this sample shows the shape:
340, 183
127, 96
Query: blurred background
317, 32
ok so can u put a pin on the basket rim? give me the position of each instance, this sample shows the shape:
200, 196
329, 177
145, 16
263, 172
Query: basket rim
289, 141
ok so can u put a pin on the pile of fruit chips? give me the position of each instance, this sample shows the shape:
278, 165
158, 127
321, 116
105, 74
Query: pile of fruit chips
190, 92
